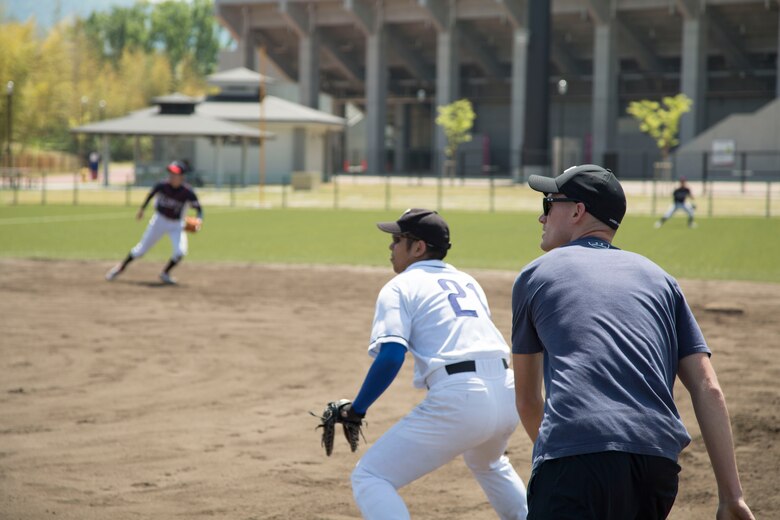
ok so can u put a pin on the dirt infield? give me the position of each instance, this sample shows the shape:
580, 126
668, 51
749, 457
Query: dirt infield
135, 400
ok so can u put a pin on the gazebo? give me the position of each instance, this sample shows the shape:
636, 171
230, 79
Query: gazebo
174, 118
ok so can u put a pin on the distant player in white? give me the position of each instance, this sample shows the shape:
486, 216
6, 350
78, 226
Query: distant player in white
173, 197
441, 316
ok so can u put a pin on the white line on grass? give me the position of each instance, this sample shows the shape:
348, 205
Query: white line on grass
52, 219
62, 218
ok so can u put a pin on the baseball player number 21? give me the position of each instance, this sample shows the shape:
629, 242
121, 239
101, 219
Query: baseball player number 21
456, 293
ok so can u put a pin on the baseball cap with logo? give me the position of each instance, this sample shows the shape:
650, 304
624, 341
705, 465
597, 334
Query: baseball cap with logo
424, 224
594, 186
175, 168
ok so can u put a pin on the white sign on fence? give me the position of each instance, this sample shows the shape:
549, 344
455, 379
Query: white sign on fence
723, 152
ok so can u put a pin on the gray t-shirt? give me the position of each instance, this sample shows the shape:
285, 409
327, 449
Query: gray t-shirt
612, 326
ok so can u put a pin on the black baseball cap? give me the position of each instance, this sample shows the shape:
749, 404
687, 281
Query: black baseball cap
424, 224
594, 186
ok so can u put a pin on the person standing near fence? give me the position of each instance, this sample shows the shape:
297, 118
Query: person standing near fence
173, 196
679, 202
94, 163
609, 332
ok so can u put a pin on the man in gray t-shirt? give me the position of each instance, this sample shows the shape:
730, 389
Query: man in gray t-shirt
608, 332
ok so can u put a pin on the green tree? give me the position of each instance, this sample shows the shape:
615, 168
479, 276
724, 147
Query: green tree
105, 66
456, 120
171, 30
661, 121
122, 28
19, 52
205, 38
186, 32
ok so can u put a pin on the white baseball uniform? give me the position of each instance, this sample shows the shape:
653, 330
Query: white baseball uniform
168, 218
441, 316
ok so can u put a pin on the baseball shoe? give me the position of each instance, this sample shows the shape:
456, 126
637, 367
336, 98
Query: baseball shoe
113, 272
166, 279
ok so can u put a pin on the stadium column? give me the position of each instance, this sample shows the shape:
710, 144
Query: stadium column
309, 68
537, 79
517, 128
777, 68
447, 77
246, 44
302, 19
401, 124
376, 95
605, 91
693, 73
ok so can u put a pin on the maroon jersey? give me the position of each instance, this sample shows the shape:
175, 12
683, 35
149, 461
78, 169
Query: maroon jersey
170, 201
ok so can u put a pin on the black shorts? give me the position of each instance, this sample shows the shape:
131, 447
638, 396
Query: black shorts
609, 485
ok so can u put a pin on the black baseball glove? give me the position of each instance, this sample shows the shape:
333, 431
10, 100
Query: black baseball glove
351, 421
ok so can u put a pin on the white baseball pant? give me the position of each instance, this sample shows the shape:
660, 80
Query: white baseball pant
469, 413
678, 205
159, 226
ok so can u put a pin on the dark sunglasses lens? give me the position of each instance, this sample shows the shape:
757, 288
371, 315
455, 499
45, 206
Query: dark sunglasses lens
546, 204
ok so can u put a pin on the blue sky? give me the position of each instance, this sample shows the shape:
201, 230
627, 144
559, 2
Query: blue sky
45, 11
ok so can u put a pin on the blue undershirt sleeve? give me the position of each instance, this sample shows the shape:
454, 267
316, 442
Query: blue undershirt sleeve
382, 372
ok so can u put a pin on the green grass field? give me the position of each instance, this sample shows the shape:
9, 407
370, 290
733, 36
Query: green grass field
736, 248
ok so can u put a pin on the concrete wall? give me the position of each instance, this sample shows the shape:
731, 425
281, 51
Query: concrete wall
757, 140
279, 156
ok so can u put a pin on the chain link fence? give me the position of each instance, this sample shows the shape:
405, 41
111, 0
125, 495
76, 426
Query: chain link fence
723, 196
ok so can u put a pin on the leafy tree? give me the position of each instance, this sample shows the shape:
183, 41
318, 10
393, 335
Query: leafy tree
171, 29
186, 32
662, 123
19, 50
61, 77
206, 41
456, 120
111, 33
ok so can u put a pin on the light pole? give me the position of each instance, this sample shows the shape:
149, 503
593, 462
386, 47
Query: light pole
563, 87
79, 138
104, 152
9, 89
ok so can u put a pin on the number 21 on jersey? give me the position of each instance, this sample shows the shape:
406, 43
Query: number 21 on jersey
463, 303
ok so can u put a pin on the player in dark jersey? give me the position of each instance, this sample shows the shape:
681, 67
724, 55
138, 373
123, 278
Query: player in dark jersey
170, 206
679, 197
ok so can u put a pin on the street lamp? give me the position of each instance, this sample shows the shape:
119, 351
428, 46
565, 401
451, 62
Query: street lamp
102, 107
9, 88
563, 87
84, 101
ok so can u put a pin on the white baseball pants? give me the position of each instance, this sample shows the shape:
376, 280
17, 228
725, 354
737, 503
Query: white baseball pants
676, 206
471, 414
159, 226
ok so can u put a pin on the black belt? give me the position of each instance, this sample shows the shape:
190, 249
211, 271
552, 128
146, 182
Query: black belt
466, 366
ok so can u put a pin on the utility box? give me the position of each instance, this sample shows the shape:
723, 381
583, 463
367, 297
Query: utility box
306, 180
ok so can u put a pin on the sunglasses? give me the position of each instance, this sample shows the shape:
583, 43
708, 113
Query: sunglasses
547, 203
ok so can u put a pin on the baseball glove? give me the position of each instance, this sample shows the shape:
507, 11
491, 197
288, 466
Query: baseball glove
351, 421
192, 224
